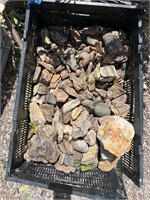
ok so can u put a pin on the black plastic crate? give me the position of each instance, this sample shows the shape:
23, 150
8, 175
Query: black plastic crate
94, 184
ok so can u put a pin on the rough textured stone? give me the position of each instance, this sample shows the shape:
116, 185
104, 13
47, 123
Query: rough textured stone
77, 132
67, 117
69, 90
51, 99
47, 66
42, 89
95, 124
86, 58
80, 145
121, 99
97, 72
101, 92
91, 138
108, 71
101, 109
68, 130
42, 146
106, 165
45, 77
115, 91
70, 105
55, 80
82, 117
61, 96
64, 74
36, 115
120, 109
71, 61
58, 37
115, 134
36, 75
90, 157
86, 95
114, 46
48, 111
68, 147
91, 82
38, 99
76, 112
56, 123
53, 60
68, 160
60, 68
77, 156
78, 83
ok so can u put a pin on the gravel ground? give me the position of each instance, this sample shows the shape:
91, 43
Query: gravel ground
15, 191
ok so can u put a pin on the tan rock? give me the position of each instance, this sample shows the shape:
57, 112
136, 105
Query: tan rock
76, 112
70, 105
106, 165
121, 99
66, 169
67, 117
36, 115
91, 82
82, 117
64, 74
68, 130
36, 74
120, 109
108, 71
48, 111
69, 90
115, 91
90, 157
61, 96
57, 125
91, 138
115, 134
68, 147
55, 80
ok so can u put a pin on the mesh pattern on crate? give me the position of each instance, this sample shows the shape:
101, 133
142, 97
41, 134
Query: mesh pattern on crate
90, 179
21, 138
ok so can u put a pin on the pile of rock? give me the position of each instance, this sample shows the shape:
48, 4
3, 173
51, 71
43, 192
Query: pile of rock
78, 91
